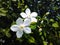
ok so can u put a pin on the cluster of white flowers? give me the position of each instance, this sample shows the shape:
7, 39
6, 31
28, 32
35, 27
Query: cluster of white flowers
23, 25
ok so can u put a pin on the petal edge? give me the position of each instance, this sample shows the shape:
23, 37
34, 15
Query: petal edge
27, 30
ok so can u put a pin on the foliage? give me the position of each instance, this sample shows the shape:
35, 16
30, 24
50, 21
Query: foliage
45, 32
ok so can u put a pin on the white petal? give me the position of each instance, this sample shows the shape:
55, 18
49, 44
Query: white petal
23, 15
33, 14
19, 34
27, 30
14, 28
27, 22
19, 21
33, 20
28, 11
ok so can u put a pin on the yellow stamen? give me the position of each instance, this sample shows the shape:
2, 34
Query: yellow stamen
21, 26
29, 16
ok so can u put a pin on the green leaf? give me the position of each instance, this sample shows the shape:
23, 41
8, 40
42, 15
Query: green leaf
8, 34
40, 33
45, 34
44, 42
31, 40
58, 17
42, 37
19, 4
13, 0
33, 26
55, 8
47, 13
3, 10
51, 43
51, 20
55, 24
2, 14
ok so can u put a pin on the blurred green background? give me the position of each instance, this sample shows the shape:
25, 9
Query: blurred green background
45, 32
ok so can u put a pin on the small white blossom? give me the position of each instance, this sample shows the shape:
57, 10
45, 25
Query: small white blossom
29, 15
42, 22
20, 27
40, 29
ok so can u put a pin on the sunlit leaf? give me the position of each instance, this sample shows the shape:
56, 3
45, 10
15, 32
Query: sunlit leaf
33, 26
31, 40
51, 20
55, 24
42, 37
45, 43
2, 14
58, 17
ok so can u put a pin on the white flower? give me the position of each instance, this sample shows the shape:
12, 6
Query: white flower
29, 15
40, 29
21, 27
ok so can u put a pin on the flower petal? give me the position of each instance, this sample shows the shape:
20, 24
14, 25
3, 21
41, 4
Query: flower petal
19, 21
33, 14
27, 22
14, 28
27, 30
23, 15
33, 20
19, 34
28, 11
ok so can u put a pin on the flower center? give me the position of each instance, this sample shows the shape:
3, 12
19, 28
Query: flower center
22, 26
29, 16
